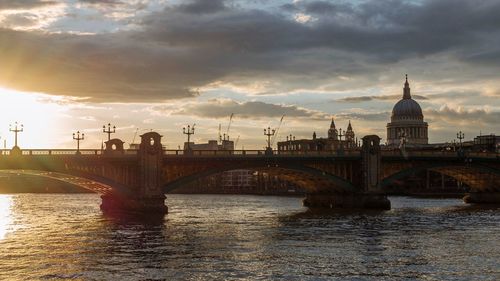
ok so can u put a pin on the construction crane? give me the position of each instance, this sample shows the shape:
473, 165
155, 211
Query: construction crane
229, 125
220, 135
135, 135
277, 130
236, 142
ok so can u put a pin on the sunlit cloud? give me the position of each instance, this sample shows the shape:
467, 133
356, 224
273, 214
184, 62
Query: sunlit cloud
161, 64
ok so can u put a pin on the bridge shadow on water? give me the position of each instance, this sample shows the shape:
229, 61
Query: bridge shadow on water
129, 218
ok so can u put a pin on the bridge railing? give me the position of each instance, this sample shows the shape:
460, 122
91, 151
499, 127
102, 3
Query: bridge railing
259, 152
54, 152
440, 154
64, 152
298, 153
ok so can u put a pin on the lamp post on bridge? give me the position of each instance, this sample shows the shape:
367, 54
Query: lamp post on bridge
189, 132
109, 131
460, 137
269, 133
78, 138
341, 146
17, 129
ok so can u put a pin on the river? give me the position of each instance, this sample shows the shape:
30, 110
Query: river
237, 237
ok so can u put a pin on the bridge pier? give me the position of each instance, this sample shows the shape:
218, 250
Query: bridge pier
145, 194
482, 198
347, 201
117, 203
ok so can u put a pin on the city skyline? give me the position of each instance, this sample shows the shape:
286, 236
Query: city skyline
159, 65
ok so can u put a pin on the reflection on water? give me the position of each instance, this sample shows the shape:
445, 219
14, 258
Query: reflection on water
214, 237
5, 215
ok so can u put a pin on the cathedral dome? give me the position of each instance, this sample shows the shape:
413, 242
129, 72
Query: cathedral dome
407, 124
407, 108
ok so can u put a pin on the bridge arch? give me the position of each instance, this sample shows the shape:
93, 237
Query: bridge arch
89, 182
311, 179
478, 177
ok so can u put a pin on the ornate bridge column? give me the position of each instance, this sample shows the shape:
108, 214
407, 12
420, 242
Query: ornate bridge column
370, 153
151, 160
368, 194
371, 173
147, 195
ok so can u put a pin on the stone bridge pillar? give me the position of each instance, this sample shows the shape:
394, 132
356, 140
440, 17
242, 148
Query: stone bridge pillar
368, 195
147, 196
370, 153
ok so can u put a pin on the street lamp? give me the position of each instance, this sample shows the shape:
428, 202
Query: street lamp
78, 138
17, 129
109, 131
460, 137
189, 132
269, 133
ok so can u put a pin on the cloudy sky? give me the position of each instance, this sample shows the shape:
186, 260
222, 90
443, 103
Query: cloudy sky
78, 64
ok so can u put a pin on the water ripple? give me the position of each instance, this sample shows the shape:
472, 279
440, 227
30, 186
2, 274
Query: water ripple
213, 237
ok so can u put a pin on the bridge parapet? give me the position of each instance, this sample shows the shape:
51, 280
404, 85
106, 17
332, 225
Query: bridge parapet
261, 153
438, 154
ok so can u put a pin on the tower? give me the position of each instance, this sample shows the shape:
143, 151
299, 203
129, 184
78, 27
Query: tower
350, 136
332, 132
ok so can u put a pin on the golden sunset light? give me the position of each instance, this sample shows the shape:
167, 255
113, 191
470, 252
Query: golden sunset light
249, 140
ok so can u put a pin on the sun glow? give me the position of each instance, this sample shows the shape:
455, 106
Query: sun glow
38, 118
5, 215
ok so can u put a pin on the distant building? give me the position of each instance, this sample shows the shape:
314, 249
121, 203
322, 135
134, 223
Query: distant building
407, 122
238, 179
333, 142
210, 145
487, 143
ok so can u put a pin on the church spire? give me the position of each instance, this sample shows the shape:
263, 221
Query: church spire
332, 125
332, 132
406, 89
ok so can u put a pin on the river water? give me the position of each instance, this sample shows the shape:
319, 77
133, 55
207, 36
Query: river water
232, 237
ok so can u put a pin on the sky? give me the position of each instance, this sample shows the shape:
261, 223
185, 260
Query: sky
161, 65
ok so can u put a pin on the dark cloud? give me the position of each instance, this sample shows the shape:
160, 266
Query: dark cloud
324, 7
381, 97
469, 116
221, 108
184, 47
102, 2
24, 4
429, 97
366, 116
102, 67
387, 29
202, 6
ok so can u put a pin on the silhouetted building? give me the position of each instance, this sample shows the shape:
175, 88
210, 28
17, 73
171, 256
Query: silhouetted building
407, 122
487, 143
210, 145
333, 142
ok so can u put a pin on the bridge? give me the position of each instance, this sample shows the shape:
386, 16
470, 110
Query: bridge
137, 180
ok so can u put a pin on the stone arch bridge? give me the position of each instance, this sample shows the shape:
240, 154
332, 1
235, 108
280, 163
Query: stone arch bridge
137, 180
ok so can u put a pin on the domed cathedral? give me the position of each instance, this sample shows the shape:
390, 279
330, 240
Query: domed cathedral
407, 121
